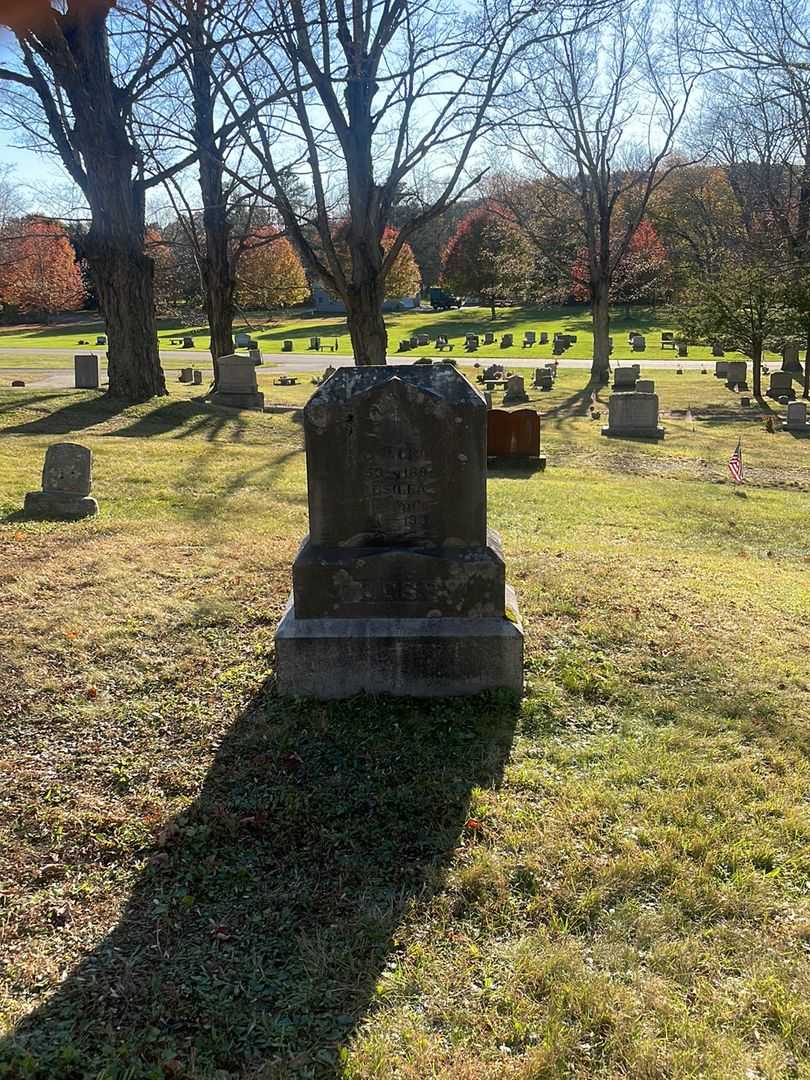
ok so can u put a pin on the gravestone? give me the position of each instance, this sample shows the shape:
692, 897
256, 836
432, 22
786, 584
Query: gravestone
781, 385
489, 338
66, 485
683, 348
721, 369
186, 375
471, 342
625, 378
515, 391
488, 398
514, 436
544, 337
634, 414
736, 373
639, 343
242, 339
796, 418
493, 372
198, 378
506, 341
287, 345
85, 368
529, 338
717, 349
101, 339
238, 388
400, 587
790, 357
544, 378
256, 356
188, 343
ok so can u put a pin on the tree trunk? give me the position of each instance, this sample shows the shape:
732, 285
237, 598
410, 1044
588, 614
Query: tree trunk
492, 305
126, 297
218, 268
367, 325
806, 387
756, 358
600, 314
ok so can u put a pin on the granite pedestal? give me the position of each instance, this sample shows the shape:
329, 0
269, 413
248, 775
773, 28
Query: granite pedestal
634, 415
238, 388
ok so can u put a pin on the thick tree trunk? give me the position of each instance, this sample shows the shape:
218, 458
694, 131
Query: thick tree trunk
126, 296
600, 314
492, 307
220, 310
367, 325
806, 387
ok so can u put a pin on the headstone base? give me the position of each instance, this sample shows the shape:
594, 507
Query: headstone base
520, 461
237, 401
634, 433
60, 507
420, 658
737, 386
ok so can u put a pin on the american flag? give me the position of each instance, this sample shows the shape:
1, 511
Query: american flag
735, 465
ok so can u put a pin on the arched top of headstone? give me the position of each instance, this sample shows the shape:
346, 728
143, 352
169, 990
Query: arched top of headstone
67, 469
442, 380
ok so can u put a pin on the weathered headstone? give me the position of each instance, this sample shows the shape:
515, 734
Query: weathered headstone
66, 485
790, 357
529, 338
287, 345
736, 374
399, 588
328, 372
717, 349
781, 384
544, 337
493, 372
683, 348
544, 378
85, 367
625, 378
639, 343
506, 341
256, 356
237, 387
188, 343
797, 418
242, 339
198, 378
515, 391
635, 414
489, 337
514, 436
101, 339
186, 375
721, 369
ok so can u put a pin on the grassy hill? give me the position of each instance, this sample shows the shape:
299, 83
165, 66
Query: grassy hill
201, 880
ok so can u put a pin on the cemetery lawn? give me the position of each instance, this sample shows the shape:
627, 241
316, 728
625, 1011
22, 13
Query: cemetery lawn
270, 331
199, 880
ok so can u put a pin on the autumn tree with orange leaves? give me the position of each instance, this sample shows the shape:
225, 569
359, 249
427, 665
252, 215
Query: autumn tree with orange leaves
270, 273
39, 274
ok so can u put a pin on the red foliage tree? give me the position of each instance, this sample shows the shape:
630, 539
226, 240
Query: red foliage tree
641, 276
39, 273
487, 256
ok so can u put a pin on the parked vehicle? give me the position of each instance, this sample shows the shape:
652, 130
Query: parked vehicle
443, 301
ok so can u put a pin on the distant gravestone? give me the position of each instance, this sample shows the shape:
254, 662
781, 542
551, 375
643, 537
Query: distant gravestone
514, 436
256, 356
639, 343
198, 378
721, 369
544, 378
242, 340
717, 349
544, 337
781, 385
506, 341
790, 357
287, 345
329, 371
188, 343
85, 368
683, 348
186, 375
736, 374
797, 418
515, 391
66, 485
400, 587
635, 414
237, 388
625, 378
493, 372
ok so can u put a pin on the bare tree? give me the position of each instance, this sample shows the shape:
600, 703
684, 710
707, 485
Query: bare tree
759, 126
593, 119
371, 91
79, 75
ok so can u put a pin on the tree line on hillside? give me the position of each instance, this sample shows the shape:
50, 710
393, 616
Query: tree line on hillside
593, 135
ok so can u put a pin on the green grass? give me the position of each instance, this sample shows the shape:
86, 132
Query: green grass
200, 880
453, 324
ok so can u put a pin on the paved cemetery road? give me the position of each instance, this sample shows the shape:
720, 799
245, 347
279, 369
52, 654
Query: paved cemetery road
276, 364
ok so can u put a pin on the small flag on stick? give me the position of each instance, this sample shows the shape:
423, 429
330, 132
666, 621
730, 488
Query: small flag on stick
735, 465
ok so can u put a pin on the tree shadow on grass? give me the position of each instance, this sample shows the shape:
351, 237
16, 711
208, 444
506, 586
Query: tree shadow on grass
254, 939
77, 416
